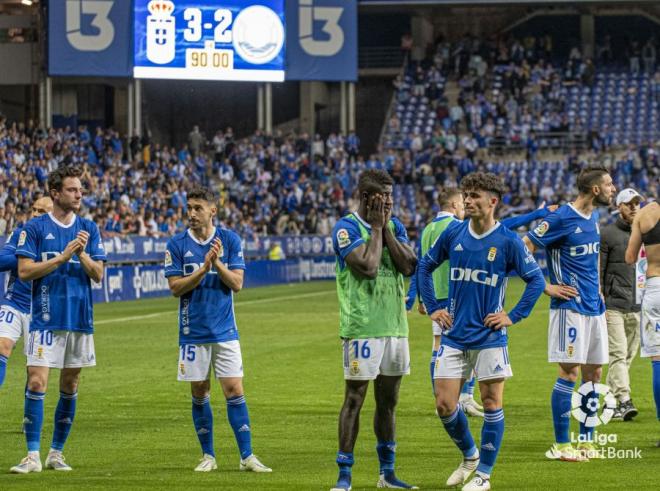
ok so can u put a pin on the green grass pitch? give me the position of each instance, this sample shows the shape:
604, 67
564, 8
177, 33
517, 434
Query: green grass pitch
133, 428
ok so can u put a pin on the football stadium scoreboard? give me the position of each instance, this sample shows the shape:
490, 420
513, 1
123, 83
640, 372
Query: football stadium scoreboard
242, 40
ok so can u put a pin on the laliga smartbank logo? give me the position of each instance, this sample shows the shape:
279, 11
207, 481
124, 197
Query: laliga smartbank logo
587, 408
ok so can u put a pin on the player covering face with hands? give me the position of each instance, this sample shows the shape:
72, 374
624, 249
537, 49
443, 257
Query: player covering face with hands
372, 257
204, 267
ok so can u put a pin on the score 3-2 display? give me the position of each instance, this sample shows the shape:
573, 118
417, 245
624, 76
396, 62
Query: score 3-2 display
213, 40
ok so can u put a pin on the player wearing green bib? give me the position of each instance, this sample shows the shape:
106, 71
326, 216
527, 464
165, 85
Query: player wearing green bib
373, 256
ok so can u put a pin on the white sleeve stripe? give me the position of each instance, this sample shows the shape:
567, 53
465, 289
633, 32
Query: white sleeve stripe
530, 272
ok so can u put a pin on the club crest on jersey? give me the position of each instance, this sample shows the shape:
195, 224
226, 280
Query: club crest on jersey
542, 228
342, 238
355, 367
492, 252
22, 238
168, 259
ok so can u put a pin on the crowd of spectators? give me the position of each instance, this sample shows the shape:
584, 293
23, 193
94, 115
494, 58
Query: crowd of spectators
511, 91
268, 185
513, 94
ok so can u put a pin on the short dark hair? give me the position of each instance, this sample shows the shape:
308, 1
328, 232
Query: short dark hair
373, 181
200, 192
589, 177
483, 181
446, 195
56, 177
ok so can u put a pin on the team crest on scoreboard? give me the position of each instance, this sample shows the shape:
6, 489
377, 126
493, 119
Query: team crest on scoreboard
355, 367
492, 252
342, 238
258, 34
542, 228
161, 32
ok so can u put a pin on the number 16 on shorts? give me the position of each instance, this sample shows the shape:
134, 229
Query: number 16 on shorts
365, 359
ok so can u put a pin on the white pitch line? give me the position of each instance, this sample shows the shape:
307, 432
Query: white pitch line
238, 304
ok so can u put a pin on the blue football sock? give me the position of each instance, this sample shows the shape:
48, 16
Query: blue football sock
239, 419
202, 416
587, 434
656, 387
561, 409
64, 414
456, 425
491, 439
386, 455
345, 462
33, 419
432, 367
468, 387
3, 369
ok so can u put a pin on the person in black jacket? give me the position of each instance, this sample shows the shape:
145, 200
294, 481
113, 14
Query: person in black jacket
622, 299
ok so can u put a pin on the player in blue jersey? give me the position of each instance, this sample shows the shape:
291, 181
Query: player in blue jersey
204, 267
481, 254
61, 253
15, 309
452, 208
577, 337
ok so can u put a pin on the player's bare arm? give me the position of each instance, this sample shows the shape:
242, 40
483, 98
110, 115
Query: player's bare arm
365, 258
92, 268
29, 269
180, 285
233, 278
635, 242
563, 292
403, 256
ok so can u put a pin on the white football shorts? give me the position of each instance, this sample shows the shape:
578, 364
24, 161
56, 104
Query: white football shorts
487, 363
650, 319
60, 349
438, 330
575, 338
14, 324
365, 359
196, 360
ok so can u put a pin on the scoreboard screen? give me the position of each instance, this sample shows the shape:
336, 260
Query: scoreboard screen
210, 40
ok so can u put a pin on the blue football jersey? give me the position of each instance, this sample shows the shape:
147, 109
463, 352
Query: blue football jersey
206, 313
478, 269
18, 294
572, 244
61, 300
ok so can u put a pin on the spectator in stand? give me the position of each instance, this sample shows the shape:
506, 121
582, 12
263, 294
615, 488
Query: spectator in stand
634, 53
195, 141
649, 55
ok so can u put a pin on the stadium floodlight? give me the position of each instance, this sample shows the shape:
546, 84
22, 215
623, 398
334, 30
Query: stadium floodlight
27, 2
